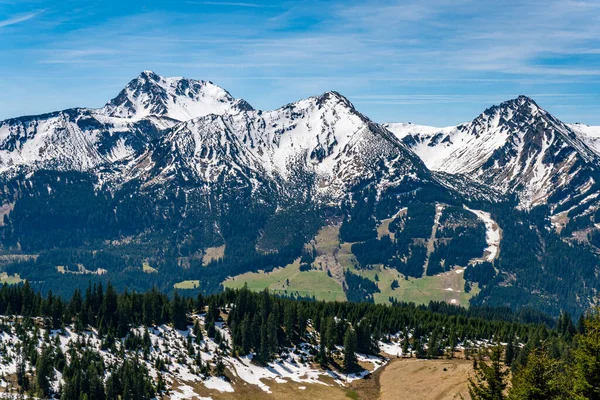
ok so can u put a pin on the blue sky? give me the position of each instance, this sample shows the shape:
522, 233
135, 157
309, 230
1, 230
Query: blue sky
437, 62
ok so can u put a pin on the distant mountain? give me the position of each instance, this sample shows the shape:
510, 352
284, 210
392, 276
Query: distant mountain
81, 139
517, 148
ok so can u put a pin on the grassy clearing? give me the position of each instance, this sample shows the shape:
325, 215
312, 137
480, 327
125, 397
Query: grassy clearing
148, 269
193, 284
331, 255
448, 287
290, 280
336, 257
213, 254
10, 279
327, 239
383, 229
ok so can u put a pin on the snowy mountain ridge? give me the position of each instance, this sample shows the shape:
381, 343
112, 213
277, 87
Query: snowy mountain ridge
157, 128
321, 135
82, 139
516, 147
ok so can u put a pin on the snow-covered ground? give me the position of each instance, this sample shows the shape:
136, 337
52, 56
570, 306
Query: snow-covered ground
182, 373
492, 235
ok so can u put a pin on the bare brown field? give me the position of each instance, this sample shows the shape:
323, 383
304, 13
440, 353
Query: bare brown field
412, 379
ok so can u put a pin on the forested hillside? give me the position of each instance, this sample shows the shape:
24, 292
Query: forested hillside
100, 344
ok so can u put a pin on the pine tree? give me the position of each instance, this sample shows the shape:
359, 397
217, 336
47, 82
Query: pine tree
433, 348
178, 312
219, 367
263, 352
289, 320
43, 373
350, 361
330, 336
197, 332
489, 381
364, 338
322, 356
246, 335
210, 329
405, 345
452, 341
419, 348
301, 318
542, 378
22, 379
509, 354
586, 383
272, 340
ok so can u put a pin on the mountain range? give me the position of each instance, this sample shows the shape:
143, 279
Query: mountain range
173, 167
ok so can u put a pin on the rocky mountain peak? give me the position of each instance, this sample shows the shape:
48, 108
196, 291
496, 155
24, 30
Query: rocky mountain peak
177, 98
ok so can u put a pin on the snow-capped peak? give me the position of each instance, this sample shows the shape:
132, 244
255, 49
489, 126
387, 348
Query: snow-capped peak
332, 97
516, 147
323, 136
178, 98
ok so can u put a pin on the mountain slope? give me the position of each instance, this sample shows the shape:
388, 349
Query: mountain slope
517, 148
76, 139
173, 169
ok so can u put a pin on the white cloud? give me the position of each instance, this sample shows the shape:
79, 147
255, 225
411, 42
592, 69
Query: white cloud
18, 19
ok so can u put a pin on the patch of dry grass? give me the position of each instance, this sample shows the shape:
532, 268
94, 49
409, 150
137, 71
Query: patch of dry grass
213, 254
412, 379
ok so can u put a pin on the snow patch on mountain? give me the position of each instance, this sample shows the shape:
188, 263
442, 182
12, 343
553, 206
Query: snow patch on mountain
492, 235
590, 135
433, 145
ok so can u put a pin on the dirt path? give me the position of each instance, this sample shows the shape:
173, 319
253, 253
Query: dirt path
412, 379
431, 241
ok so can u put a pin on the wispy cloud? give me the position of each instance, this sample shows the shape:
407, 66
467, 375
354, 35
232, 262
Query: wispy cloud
230, 4
468, 53
20, 18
